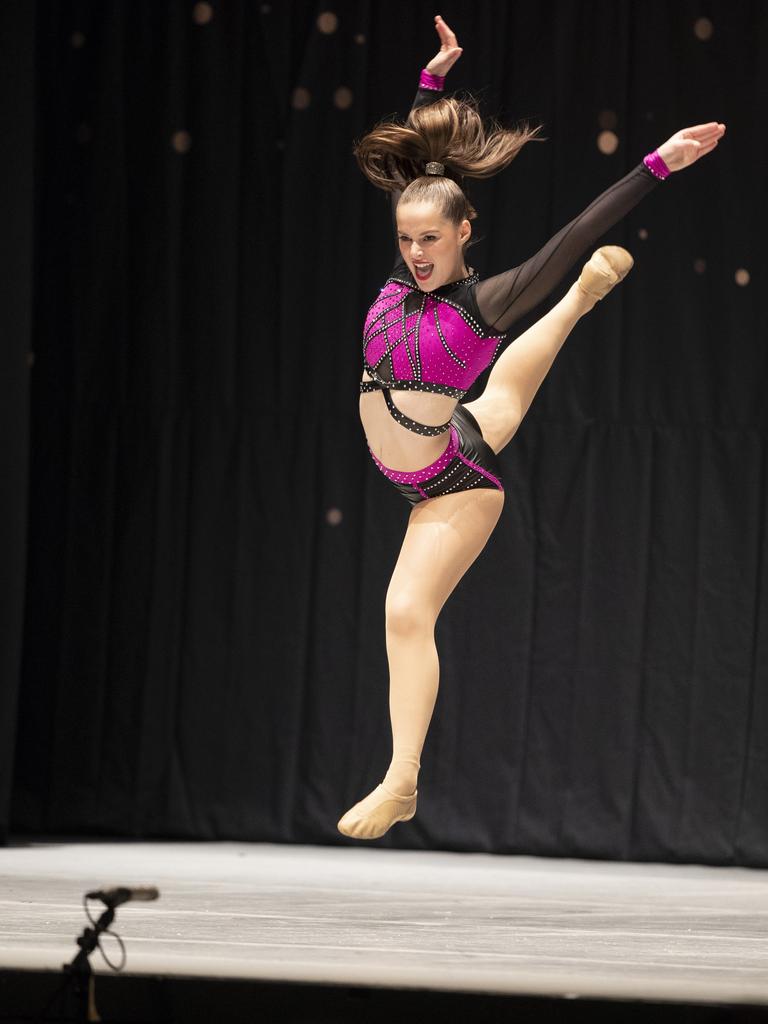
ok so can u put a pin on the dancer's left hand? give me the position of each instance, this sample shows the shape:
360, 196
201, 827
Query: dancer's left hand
449, 52
686, 146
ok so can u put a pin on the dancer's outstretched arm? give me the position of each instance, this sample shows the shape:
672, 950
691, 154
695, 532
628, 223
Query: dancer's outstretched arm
504, 298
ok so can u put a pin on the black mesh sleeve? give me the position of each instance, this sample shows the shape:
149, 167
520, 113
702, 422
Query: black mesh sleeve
423, 96
504, 298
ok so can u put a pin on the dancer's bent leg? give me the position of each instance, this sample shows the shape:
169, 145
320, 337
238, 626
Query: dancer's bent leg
444, 537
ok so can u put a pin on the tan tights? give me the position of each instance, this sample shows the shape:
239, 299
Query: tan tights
444, 537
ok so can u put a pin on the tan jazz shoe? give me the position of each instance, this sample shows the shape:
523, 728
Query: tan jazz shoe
371, 817
606, 267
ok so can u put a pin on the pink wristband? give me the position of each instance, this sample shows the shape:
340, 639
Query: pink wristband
429, 81
656, 165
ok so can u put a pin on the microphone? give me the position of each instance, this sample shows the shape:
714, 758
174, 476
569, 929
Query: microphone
122, 894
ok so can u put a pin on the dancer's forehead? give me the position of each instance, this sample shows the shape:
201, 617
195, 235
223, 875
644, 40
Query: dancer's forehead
419, 217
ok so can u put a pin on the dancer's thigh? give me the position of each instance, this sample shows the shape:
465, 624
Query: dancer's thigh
444, 537
499, 413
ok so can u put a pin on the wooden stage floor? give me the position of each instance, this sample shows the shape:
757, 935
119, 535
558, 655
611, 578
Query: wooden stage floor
361, 915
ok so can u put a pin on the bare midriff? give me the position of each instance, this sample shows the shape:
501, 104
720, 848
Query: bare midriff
395, 445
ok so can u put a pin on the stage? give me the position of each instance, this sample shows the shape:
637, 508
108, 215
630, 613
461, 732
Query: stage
387, 919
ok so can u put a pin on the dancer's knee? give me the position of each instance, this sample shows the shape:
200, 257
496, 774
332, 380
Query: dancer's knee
408, 614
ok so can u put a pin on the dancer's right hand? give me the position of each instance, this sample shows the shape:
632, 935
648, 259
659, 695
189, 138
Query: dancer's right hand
449, 53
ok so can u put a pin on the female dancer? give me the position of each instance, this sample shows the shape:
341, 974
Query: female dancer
432, 330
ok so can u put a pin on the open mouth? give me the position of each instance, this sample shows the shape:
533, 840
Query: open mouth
423, 270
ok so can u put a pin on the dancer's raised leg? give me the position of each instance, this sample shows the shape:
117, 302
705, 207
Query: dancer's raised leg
521, 368
444, 537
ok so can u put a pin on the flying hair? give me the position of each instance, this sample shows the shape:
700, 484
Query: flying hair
449, 131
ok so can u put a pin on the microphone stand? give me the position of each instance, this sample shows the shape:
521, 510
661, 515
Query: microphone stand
79, 980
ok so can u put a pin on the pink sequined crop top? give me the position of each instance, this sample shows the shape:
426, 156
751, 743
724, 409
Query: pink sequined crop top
441, 341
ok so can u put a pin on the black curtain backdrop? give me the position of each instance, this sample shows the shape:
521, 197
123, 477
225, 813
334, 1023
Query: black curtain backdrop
17, 102
208, 543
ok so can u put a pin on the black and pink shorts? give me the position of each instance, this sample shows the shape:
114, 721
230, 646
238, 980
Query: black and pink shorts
467, 463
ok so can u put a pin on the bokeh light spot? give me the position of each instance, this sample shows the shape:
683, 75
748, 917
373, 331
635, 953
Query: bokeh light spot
181, 141
742, 276
327, 22
607, 142
359, 38
700, 266
77, 39
703, 28
342, 98
333, 516
202, 13
607, 119
301, 98
642, 233
265, 8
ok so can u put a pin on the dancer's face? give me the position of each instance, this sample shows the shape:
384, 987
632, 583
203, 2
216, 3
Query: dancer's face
431, 245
